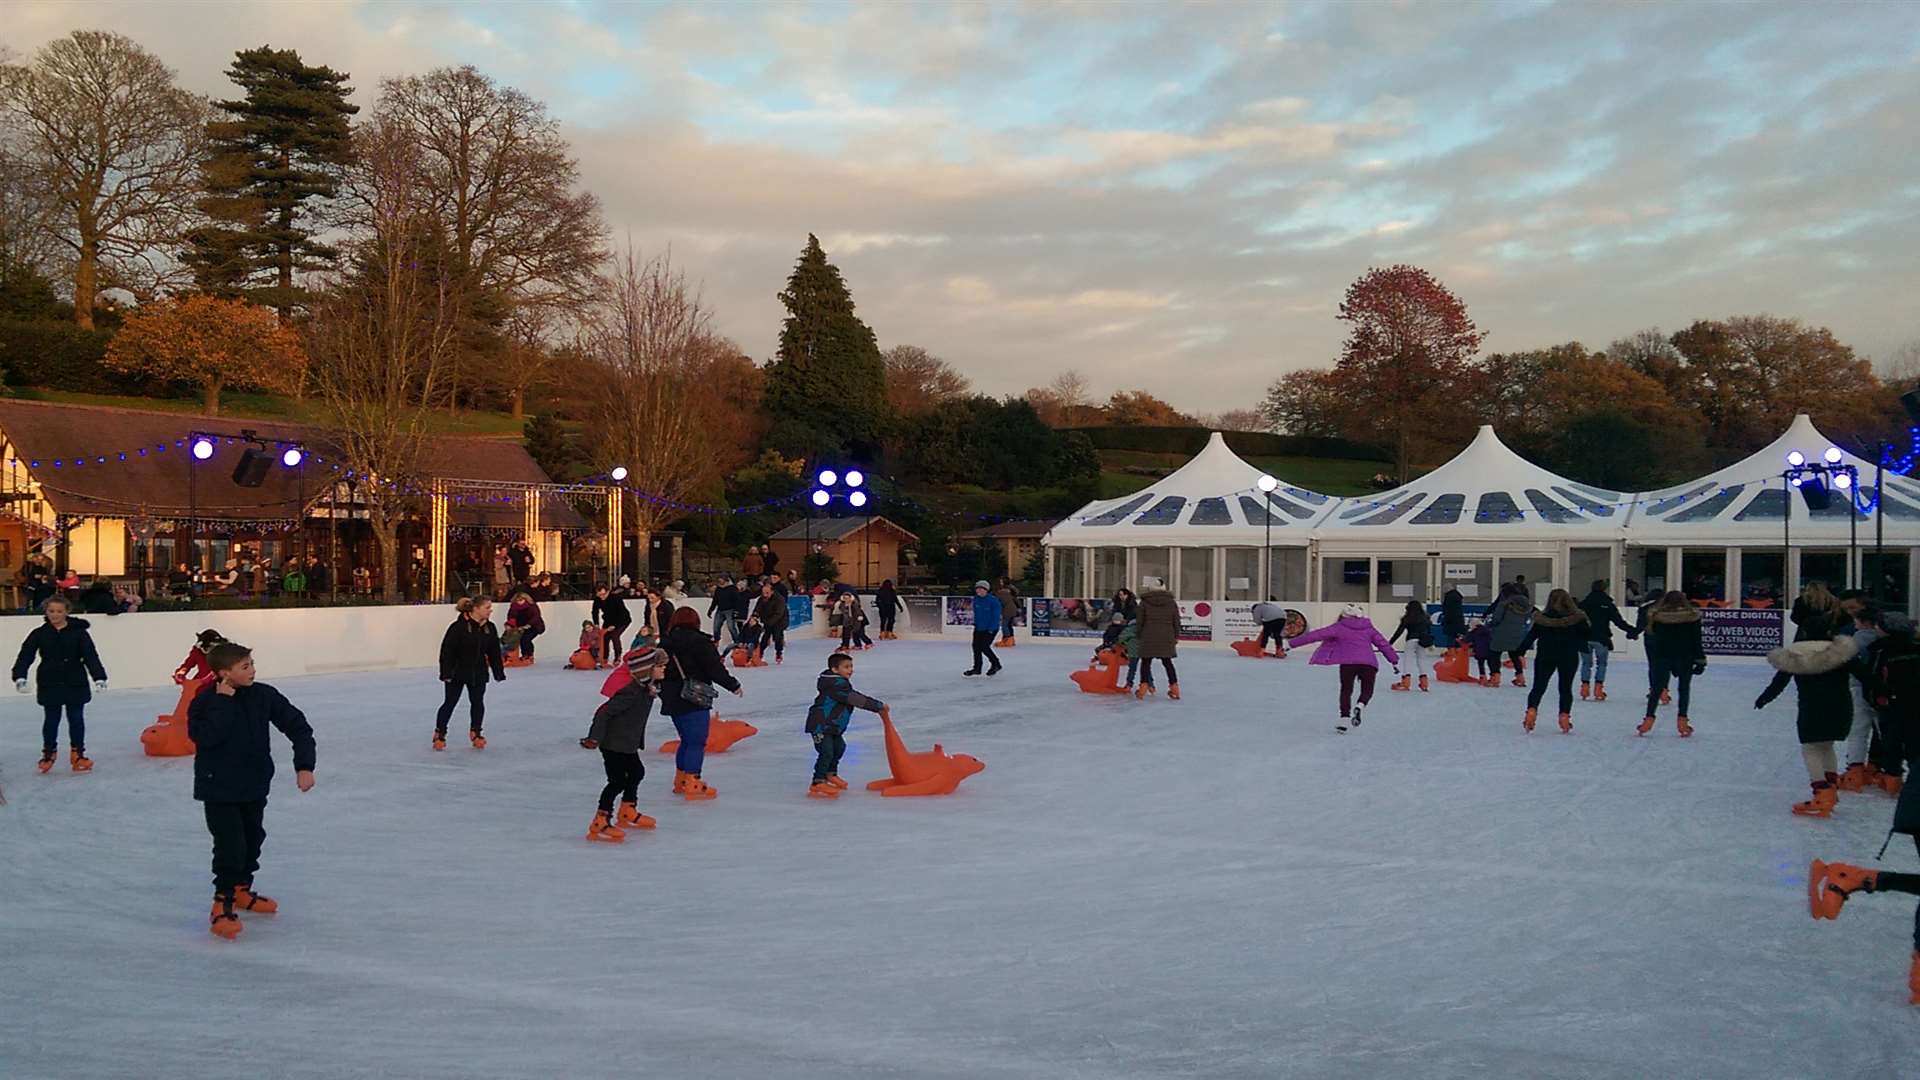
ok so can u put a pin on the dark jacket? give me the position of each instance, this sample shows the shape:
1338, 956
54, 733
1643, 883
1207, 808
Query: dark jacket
1602, 616
690, 655
887, 602
1128, 609
469, 651
771, 611
1508, 621
1822, 673
1009, 601
232, 753
1453, 616
612, 612
834, 702
1811, 625
770, 562
1159, 626
1418, 629
725, 602
620, 723
99, 600
1674, 636
1559, 638
67, 659
526, 616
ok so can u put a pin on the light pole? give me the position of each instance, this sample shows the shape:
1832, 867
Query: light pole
1266, 484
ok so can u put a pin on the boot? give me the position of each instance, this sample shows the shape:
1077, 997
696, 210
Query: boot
679, 782
245, 899
479, 740
46, 760
1566, 723
1822, 803
1913, 980
439, 740
1681, 725
1173, 691
1854, 779
81, 762
697, 790
1405, 684
823, 790
1586, 690
1829, 885
222, 921
603, 830
1423, 684
1143, 691
630, 817
834, 779
1532, 715
1645, 725
1599, 691
1519, 673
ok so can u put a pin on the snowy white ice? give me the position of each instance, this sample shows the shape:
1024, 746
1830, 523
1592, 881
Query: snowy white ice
1216, 887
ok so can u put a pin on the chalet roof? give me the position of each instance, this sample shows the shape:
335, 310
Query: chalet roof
1010, 530
830, 530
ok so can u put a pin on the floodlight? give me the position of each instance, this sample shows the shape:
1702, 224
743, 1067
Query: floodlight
855, 478
202, 448
1832, 455
1796, 459
292, 456
1268, 483
1842, 481
828, 477
619, 473
858, 498
820, 498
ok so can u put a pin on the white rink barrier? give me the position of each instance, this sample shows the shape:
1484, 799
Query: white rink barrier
141, 650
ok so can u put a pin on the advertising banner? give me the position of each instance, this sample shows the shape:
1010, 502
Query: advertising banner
1475, 613
960, 613
1196, 621
922, 614
1069, 617
1742, 631
1235, 620
799, 612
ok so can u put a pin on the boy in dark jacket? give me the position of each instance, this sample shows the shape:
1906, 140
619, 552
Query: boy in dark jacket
67, 659
828, 719
619, 732
1602, 616
232, 771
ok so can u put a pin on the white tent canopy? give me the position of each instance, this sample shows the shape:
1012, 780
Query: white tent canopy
1486, 493
1213, 500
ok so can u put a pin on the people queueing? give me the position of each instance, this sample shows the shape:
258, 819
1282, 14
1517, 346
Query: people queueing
1561, 634
827, 722
469, 653
68, 660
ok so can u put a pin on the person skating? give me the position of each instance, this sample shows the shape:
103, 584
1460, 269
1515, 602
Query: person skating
769, 621
1128, 645
827, 720
886, 604
1675, 651
694, 668
1417, 627
1820, 670
524, 615
619, 732
1122, 611
1159, 639
723, 607
1453, 617
1816, 613
610, 612
232, 773
1273, 627
67, 660
1349, 644
469, 652
853, 622
986, 623
1602, 616
1561, 635
1508, 621
1486, 662
1009, 599
1863, 620
1889, 666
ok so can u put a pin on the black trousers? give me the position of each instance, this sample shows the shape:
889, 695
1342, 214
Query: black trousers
886, 622
1273, 630
526, 642
1659, 670
831, 745
238, 830
610, 644
983, 648
777, 637
476, 692
854, 633
1566, 667
624, 773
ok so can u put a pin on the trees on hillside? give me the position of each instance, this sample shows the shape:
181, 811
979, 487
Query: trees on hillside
209, 342
1409, 348
917, 380
827, 386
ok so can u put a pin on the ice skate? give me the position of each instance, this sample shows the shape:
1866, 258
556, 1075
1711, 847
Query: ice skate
1822, 803
479, 740
1173, 691
630, 817
1646, 725
971, 673
992, 671
1586, 690
1681, 725
697, 790
245, 899
603, 830
679, 782
1532, 716
1829, 885
1566, 723
1519, 678
1599, 691
1424, 688
1913, 981
1889, 783
222, 921
46, 761
1143, 691
1404, 684
1357, 710
80, 761
439, 740
834, 779
1854, 779
823, 790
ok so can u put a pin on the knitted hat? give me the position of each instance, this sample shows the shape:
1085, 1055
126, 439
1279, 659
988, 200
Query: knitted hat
1353, 611
641, 661
983, 585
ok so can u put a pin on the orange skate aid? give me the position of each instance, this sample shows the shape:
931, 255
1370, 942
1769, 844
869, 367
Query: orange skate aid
1103, 675
933, 773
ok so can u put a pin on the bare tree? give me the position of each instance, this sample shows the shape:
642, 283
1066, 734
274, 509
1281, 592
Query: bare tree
383, 337
917, 380
1235, 420
1901, 367
1072, 390
100, 127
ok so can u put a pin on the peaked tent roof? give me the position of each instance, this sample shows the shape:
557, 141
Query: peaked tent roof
1742, 503
1488, 492
1211, 501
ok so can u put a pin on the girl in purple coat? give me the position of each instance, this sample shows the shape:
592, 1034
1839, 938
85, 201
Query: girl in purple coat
1349, 644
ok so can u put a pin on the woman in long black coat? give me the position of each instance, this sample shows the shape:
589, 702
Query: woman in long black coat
67, 659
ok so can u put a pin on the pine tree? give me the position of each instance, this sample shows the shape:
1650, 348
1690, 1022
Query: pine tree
829, 376
277, 152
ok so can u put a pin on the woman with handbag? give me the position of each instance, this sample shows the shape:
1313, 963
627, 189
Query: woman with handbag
686, 697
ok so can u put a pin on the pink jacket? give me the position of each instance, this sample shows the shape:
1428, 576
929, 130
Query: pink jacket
1349, 641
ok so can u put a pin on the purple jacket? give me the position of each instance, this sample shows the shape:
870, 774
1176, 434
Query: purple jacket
1349, 641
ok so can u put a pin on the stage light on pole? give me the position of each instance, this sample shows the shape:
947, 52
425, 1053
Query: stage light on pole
828, 478
1268, 483
202, 448
619, 473
1833, 455
820, 498
292, 456
857, 499
1842, 481
1796, 459
855, 478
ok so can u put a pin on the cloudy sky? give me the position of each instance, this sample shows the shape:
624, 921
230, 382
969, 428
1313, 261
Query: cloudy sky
1175, 197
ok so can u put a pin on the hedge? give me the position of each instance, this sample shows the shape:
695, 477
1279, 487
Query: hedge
59, 355
1191, 440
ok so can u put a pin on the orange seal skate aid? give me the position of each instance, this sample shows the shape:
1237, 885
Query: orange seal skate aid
935, 772
721, 735
1103, 675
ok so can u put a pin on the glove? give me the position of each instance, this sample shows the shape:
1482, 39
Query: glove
1759, 703
100, 685
1699, 667
20, 685
589, 744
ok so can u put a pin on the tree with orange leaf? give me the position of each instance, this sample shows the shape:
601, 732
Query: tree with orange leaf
209, 342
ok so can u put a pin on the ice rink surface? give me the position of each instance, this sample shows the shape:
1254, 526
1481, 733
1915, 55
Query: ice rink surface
1216, 887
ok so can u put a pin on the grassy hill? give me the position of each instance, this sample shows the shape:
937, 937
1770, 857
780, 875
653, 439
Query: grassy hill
239, 406
1123, 472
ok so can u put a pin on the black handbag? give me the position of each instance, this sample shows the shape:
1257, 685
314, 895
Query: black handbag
698, 693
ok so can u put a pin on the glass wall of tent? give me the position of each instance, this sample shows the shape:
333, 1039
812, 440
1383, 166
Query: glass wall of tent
1190, 573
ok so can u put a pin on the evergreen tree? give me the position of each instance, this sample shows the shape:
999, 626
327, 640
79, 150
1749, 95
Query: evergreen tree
547, 444
829, 379
277, 152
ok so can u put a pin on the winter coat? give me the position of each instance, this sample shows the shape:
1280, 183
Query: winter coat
232, 752
99, 600
1559, 637
620, 723
67, 660
1009, 601
770, 562
612, 612
753, 565
1128, 641
887, 601
1453, 616
1508, 621
1128, 609
986, 613
725, 602
1159, 621
771, 612
691, 655
1820, 670
1268, 612
1417, 628
1350, 640
1812, 625
527, 617
1481, 638
834, 702
1674, 637
470, 650
1602, 617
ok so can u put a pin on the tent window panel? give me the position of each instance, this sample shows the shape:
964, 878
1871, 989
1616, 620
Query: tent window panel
1679, 499
1287, 574
1251, 507
1586, 566
1496, 508
1887, 574
1369, 507
1401, 580
1599, 493
1703, 575
1164, 512
1311, 498
1069, 571
1292, 509
1553, 512
1109, 570
1210, 512
1827, 567
1760, 574
1898, 510
1344, 581
1119, 513
1769, 504
1708, 509
1584, 502
1196, 574
1837, 507
1394, 513
1242, 567
1444, 510
1155, 566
